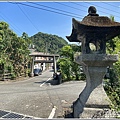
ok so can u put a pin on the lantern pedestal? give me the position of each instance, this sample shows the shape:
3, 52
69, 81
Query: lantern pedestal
94, 67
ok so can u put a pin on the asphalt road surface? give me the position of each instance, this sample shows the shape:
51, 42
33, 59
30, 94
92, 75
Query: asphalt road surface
41, 97
38, 96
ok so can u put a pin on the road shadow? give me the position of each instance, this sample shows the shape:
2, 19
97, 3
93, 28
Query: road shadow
39, 82
51, 82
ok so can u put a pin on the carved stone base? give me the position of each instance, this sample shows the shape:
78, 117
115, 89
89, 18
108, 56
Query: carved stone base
94, 66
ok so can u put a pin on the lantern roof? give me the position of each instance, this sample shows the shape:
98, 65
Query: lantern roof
94, 25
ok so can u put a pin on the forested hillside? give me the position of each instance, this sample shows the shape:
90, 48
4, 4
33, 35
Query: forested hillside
48, 43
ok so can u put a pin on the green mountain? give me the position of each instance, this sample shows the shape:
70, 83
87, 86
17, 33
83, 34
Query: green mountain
48, 43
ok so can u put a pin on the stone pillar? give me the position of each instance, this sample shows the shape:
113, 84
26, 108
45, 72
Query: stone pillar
94, 66
54, 64
32, 67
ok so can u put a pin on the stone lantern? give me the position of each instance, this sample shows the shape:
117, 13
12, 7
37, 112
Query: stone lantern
96, 30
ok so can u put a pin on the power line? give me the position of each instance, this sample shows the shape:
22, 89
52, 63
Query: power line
77, 4
47, 10
27, 16
53, 8
95, 5
104, 8
11, 24
59, 11
69, 6
85, 6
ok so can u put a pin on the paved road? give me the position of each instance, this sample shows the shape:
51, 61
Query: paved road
37, 96
40, 97
26, 96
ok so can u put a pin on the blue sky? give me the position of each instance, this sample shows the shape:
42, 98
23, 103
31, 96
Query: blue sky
33, 18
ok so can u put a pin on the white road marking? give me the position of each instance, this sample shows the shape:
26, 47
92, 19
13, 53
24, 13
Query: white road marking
52, 113
45, 82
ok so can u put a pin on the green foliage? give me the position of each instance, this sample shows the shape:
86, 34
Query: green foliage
113, 46
114, 96
48, 43
112, 86
76, 70
69, 69
67, 52
14, 53
65, 65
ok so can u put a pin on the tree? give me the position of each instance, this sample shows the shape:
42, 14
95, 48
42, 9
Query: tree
65, 67
5, 42
69, 68
67, 52
20, 56
13, 49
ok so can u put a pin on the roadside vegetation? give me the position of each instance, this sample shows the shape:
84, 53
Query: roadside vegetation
69, 68
14, 53
112, 83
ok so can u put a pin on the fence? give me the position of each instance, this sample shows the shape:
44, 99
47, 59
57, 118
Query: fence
5, 75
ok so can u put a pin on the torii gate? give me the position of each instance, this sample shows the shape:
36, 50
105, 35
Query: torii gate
33, 55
